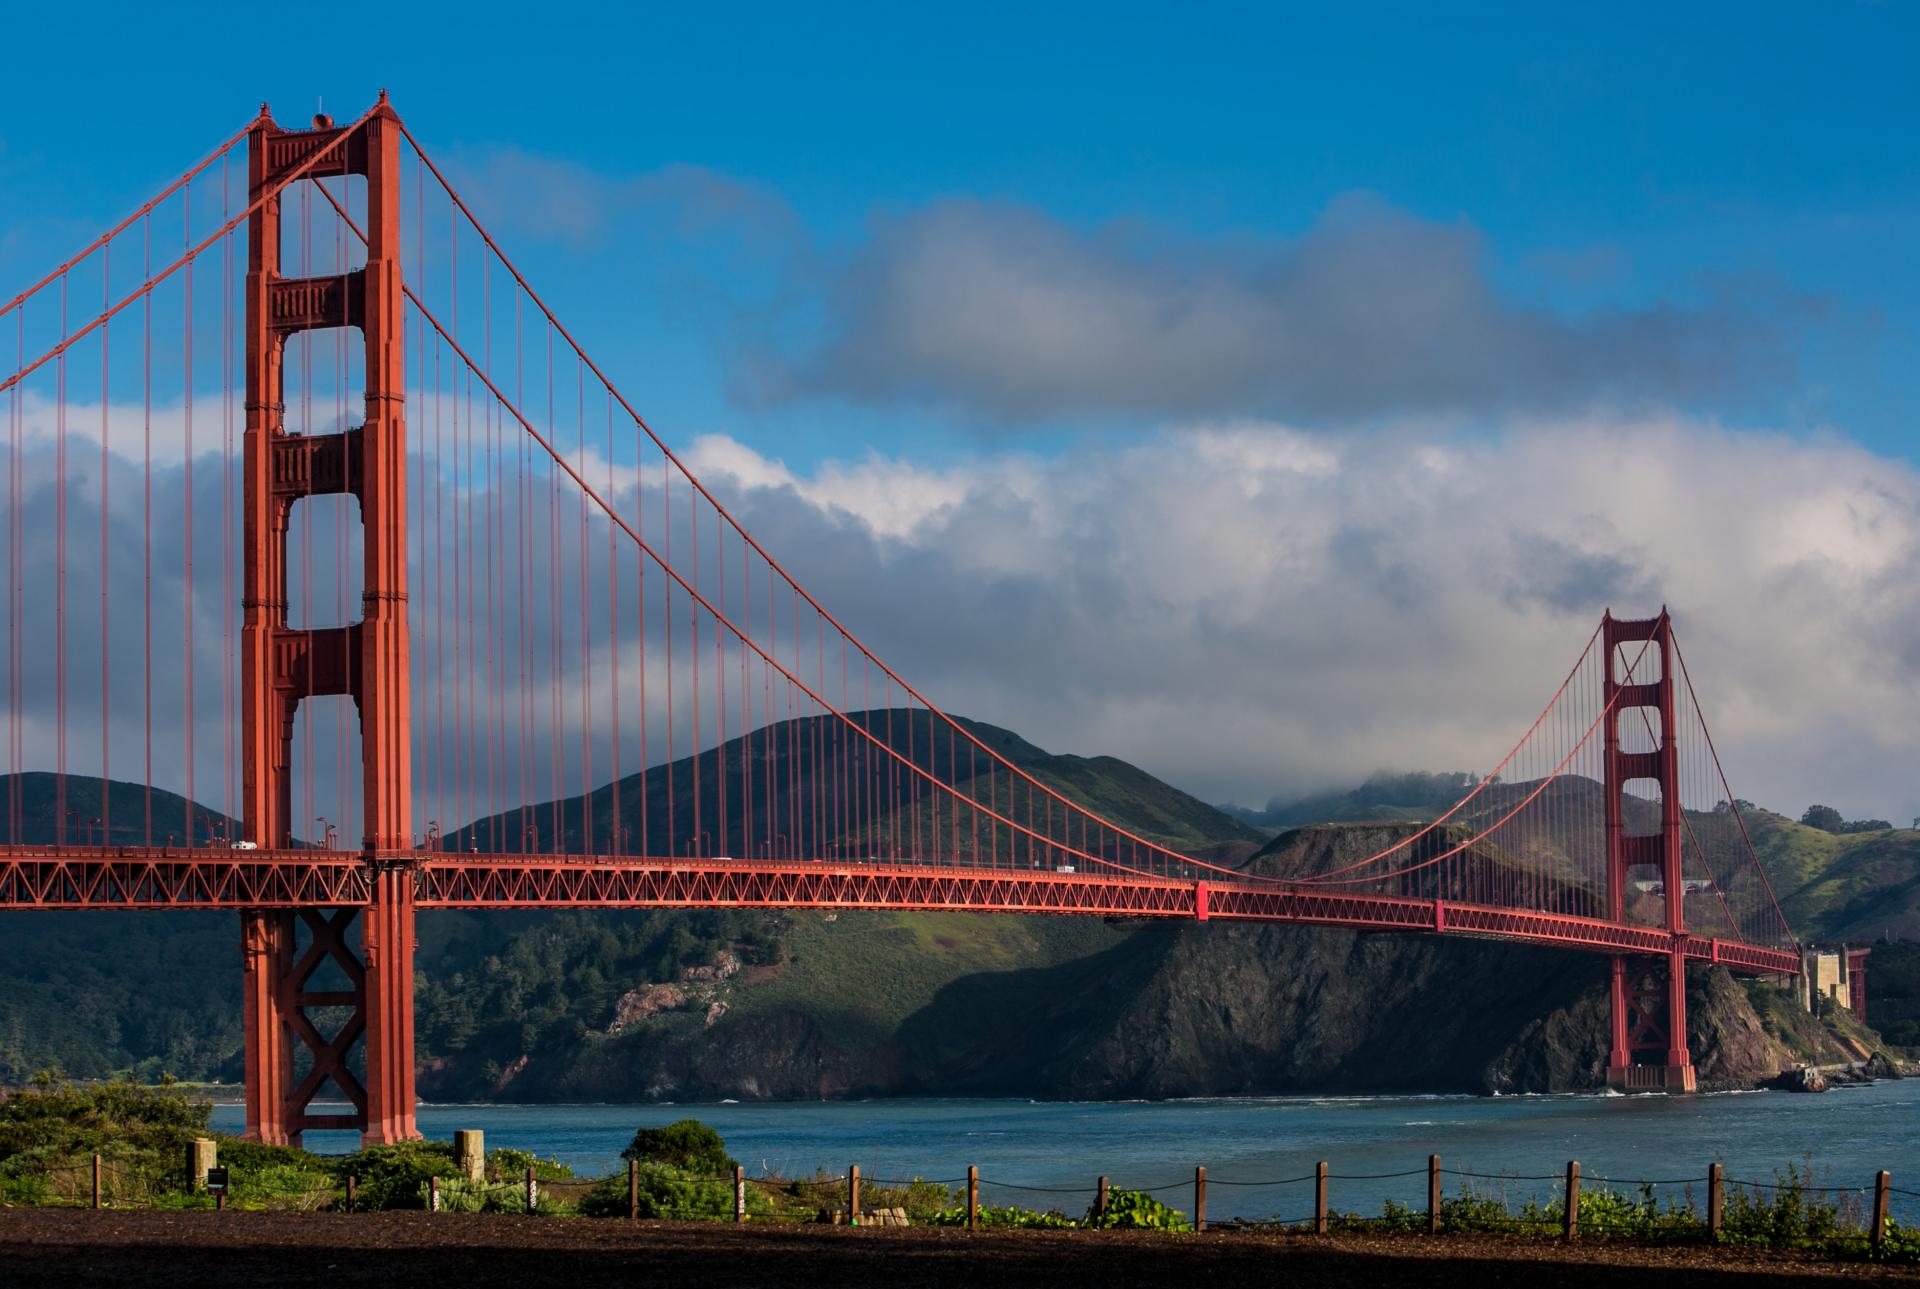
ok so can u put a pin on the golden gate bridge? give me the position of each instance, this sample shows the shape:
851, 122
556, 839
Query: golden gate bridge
550, 600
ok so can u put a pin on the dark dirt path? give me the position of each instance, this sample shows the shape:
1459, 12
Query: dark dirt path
160, 1250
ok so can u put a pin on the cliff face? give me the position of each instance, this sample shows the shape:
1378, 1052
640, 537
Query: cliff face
1180, 1011
874, 1004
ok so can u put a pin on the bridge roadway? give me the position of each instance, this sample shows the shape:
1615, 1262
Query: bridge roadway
140, 878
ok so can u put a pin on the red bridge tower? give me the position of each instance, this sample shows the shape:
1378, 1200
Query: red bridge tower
282, 665
1648, 1007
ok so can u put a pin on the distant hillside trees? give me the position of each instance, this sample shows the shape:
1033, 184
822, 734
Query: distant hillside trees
1827, 819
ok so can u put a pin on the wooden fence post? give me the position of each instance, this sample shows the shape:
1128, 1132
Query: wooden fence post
1882, 1183
1572, 1231
1199, 1199
533, 1192
1716, 1199
433, 1195
739, 1195
1100, 1197
1433, 1194
96, 1181
351, 1180
1320, 1198
973, 1197
853, 1195
633, 1190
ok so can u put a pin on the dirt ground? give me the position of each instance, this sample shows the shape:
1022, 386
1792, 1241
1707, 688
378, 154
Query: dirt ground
164, 1249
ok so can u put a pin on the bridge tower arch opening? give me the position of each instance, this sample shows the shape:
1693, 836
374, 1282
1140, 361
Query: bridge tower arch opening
365, 660
1647, 998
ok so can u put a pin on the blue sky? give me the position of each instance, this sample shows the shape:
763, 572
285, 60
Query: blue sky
1357, 356
1756, 159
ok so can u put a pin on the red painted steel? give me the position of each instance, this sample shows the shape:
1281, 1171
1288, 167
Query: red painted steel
366, 659
71, 878
1627, 697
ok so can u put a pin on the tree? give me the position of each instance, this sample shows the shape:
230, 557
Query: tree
689, 1145
1825, 818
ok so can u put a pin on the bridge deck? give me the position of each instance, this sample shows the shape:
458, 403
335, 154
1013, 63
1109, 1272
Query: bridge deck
114, 878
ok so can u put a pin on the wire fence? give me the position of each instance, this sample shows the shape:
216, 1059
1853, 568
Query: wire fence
1793, 1208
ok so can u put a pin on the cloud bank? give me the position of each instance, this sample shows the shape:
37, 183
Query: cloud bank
1002, 312
1246, 609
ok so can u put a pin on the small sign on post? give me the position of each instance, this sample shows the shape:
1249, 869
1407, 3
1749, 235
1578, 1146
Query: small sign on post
739, 1194
217, 1186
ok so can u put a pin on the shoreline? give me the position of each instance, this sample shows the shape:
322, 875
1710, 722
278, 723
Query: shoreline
1838, 1076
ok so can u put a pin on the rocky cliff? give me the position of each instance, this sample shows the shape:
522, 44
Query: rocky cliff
957, 1004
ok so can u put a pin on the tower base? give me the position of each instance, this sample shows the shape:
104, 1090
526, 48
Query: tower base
1651, 1078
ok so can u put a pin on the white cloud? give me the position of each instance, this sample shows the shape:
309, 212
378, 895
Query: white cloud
1242, 608
1250, 608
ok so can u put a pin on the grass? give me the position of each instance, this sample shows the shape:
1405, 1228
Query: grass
1859, 886
862, 974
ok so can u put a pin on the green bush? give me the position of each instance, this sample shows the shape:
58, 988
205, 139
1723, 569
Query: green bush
919, 1197
674, 1193
52, 1117
1789, 1214
507, 1163
1902, 1245
998, 1218
688, 1145
459, 1195
281, 1186
1137, 1210
396, 1176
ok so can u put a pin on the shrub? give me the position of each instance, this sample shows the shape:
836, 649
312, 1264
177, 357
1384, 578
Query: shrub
396, 1176
458, 1195
919, 1197
507, 1164
1903, 1243
688, 1145
1137, 1210
676, 1193
1787, 1213
997, 1218
281, 1186
53, 1117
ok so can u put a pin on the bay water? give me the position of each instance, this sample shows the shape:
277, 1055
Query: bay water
1259, 1152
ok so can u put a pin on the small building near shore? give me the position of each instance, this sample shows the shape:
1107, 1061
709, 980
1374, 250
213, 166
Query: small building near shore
1837, 973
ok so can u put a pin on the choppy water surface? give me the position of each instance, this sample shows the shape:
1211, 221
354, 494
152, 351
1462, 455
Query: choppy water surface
1248, 1143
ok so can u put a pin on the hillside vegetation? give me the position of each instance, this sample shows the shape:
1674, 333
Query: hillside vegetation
638, 1004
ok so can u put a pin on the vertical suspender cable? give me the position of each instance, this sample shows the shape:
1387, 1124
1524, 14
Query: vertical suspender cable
106, 621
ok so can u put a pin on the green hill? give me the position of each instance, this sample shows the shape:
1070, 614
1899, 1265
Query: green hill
1841, 886
667, 1004
153, 992
661, 806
